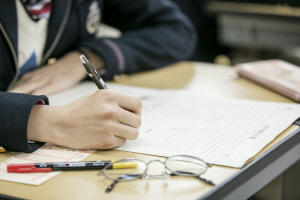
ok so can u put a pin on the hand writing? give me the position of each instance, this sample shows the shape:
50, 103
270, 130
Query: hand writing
102, 120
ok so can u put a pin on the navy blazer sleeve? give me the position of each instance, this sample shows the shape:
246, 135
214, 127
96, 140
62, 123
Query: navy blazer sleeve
154, 34
14, 116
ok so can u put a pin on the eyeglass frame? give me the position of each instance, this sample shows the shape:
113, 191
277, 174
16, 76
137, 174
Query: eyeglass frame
163, 175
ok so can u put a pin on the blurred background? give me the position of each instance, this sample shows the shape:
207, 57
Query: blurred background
236, 31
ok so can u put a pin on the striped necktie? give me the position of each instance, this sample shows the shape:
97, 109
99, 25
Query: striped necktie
38, 8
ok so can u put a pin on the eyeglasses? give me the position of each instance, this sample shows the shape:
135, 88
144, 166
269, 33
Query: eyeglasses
179, 165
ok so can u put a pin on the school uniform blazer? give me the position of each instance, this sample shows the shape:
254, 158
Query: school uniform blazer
154, 34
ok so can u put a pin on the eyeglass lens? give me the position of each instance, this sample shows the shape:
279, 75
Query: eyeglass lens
186, 165
180, 165
127, 173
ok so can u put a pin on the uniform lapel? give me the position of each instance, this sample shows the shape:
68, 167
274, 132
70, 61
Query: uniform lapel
58, 13
8, 19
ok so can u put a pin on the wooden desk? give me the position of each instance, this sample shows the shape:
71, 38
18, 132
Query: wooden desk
199, 77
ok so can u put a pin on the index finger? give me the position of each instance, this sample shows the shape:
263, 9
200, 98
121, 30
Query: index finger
130, 103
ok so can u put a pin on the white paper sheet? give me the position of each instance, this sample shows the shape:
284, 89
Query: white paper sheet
47, 153
220, 131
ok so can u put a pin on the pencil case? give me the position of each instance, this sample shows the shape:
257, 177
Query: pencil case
277, 75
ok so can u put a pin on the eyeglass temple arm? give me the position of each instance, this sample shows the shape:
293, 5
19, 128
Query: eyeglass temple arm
111, 187
206, 181
199, 177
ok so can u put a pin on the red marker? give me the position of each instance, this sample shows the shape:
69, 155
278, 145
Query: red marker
62, 166
26, 168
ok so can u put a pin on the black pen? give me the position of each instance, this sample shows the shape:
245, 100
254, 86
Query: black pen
92, 72
63, 166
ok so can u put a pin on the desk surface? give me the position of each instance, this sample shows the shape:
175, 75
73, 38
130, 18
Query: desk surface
199, 77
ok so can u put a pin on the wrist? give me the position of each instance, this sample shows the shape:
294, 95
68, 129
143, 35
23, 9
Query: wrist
41, 124
71, 67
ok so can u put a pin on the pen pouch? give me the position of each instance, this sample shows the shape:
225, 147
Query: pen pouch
277, 75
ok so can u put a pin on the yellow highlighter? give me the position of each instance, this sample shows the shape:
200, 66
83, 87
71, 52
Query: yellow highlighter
124, 165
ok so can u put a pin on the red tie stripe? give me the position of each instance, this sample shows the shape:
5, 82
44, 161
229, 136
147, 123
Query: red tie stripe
38, 8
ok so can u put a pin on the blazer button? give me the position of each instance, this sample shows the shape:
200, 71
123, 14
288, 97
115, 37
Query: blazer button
51, 61
121, 78
222, 60
2, 149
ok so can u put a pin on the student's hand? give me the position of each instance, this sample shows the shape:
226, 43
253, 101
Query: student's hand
49, 79
102, 120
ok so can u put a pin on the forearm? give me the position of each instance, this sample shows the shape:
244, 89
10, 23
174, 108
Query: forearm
94, 58
72, 59
71, 66
66, 72
15, 111
154, 34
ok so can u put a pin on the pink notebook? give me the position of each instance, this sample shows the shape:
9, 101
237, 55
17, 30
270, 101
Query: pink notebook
277, 75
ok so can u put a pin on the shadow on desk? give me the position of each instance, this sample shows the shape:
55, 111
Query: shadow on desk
5, 197
284, 187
